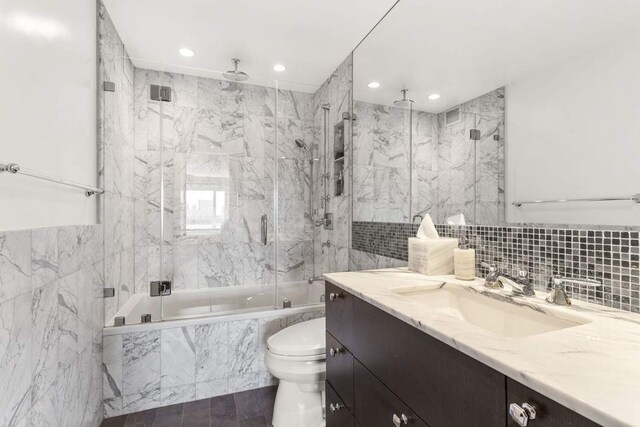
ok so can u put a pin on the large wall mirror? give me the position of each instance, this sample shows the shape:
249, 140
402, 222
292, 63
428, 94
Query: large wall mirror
510, 106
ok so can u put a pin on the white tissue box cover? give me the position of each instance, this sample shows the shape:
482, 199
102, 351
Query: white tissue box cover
431, 256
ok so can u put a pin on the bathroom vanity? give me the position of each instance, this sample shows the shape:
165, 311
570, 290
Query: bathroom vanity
397, 355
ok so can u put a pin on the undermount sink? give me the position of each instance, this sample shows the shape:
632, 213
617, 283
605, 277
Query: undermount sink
501, 317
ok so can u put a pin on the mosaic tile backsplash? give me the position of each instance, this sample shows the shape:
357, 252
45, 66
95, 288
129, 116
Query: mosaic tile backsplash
610, 256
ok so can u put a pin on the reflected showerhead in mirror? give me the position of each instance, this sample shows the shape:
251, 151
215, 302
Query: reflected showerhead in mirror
404, 102
301, 144
235, 75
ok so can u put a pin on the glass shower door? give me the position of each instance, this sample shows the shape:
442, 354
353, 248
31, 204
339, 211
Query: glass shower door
217, 194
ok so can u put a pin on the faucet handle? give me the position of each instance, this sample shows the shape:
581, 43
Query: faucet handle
560, 281
558, 294
523, 277
491, 267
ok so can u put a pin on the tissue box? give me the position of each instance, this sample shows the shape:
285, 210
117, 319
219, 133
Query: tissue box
431, 256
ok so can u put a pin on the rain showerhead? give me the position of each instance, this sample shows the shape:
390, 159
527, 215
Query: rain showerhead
404, 102
235, 75
301, 144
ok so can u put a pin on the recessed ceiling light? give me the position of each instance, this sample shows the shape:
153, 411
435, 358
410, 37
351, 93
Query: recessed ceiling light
374, 85
434, 96
186, 52
279, 68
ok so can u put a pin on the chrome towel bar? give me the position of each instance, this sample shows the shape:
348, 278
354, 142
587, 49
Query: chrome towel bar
635, 198
14, 168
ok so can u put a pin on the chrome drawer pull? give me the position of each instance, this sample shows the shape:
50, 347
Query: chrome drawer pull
333, 296
522, 414
335, 351
335, 407
400, 420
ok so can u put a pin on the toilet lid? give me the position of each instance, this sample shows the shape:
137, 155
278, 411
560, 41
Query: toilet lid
304, 339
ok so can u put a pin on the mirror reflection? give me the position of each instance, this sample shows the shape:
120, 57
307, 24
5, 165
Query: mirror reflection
513, 115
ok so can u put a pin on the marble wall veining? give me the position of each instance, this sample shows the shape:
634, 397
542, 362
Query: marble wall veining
116, 172
470, 174
447, 173
164, 366
220, 136
51, 306
336, 92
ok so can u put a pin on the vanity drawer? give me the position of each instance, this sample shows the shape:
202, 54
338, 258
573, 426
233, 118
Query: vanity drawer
339, 313
548, 412
376, 405
340, 370
442, 385
338, 414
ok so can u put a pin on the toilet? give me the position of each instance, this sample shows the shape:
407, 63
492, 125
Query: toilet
296, 356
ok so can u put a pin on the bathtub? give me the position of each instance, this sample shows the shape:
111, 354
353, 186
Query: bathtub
238, 300
211, 342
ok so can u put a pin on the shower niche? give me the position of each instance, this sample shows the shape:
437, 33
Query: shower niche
338, 156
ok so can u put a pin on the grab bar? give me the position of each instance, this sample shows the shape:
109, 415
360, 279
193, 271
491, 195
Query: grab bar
263, 229
635, 198
14, 168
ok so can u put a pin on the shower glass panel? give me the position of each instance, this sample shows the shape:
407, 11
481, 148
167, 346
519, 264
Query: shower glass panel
299, 166
218, 165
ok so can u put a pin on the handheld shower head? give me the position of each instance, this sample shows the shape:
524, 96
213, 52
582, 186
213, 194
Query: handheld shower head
404, 102
235, 75
301, 144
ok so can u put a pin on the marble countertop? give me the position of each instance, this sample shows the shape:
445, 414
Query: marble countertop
593, 369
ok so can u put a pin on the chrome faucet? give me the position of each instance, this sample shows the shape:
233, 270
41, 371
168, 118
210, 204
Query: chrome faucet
558, 295
491, 281
520, 285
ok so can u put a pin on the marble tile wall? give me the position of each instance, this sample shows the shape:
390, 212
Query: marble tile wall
51, 317
381, 163
219, 134
336, 91
116, 172
450, 174
470, 176
161, 367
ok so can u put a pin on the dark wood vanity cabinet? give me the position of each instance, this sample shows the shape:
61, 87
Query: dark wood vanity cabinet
340, 369
339, 313
338, 414
387, 372
548, 412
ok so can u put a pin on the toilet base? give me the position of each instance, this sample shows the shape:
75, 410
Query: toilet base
297, 408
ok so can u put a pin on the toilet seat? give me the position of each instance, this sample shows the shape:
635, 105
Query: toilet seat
296, 357
311, 358
304, 341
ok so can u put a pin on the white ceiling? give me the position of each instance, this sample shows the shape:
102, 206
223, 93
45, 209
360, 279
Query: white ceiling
464, 48
310, 37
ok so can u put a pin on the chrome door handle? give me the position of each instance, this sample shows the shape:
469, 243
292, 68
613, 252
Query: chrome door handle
263, 229
522, 414
400, 420
333, 296
335, 351
335, 407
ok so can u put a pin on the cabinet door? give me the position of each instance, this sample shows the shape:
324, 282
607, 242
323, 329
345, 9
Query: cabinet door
340, 370
337, 413
442, 385
339, 309
376, 405
548, 412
